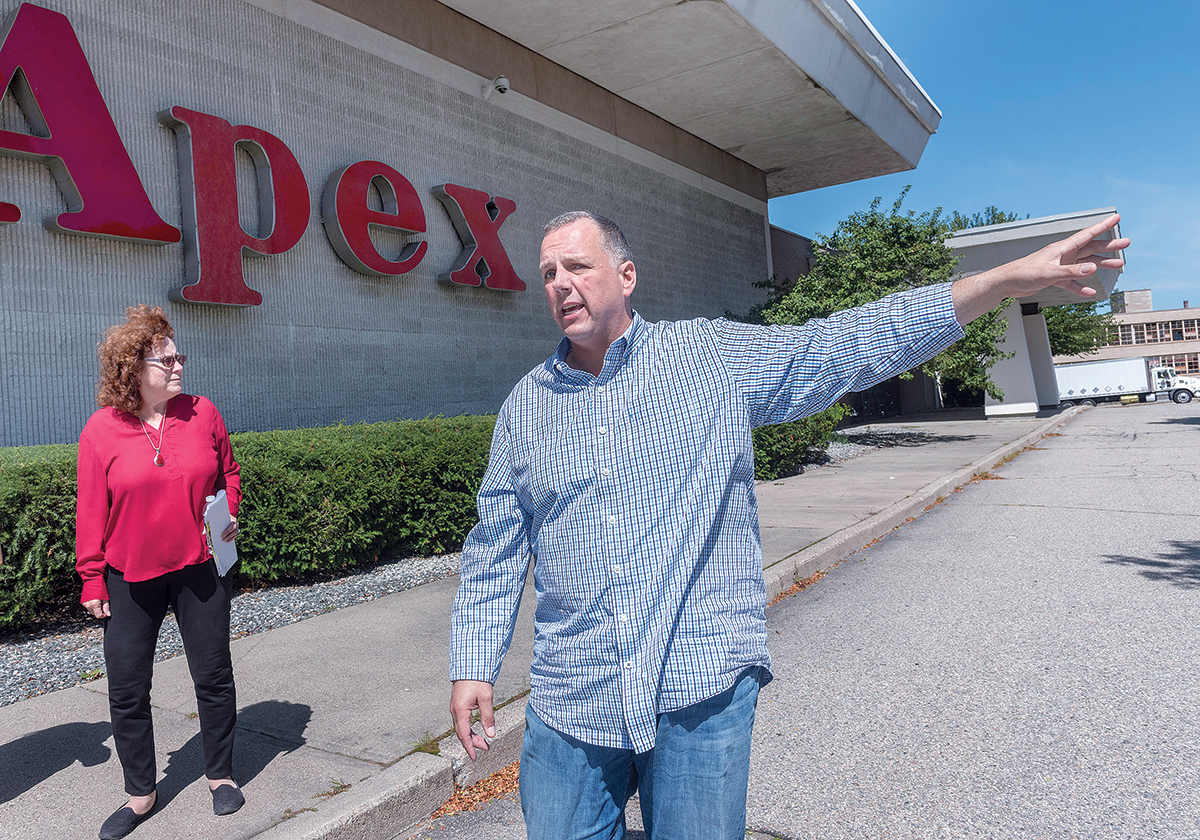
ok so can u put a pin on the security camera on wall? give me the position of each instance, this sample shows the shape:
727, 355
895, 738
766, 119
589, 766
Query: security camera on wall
497, 85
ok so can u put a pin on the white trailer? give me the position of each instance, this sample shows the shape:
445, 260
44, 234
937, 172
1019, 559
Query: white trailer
1121, 380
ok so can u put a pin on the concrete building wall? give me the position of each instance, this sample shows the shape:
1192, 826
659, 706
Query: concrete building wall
1014, 375
791, 254
328, 344
1137, 300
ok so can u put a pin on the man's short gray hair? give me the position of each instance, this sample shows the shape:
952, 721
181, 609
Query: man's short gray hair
612, 241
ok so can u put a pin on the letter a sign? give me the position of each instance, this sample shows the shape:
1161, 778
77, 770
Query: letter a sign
73, 133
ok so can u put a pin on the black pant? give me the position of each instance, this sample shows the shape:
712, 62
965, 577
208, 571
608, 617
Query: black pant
200, 600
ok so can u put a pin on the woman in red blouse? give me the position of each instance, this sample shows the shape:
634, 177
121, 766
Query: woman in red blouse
148, 458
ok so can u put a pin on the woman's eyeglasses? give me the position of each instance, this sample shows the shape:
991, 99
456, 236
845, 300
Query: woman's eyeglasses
169, 361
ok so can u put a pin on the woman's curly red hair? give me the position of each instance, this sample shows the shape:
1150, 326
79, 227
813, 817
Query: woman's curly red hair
121, 354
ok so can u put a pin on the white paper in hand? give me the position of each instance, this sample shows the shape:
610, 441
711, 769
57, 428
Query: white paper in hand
216, 520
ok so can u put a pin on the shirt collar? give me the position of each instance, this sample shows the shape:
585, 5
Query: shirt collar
616, 355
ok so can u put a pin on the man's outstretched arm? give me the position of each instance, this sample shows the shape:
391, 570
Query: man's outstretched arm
1065, 264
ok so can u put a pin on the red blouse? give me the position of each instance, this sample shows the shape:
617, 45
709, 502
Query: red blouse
141, 519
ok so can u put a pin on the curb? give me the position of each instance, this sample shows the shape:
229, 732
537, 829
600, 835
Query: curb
392, 803
824, 554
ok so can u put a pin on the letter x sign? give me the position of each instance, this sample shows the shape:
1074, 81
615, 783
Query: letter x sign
477, 218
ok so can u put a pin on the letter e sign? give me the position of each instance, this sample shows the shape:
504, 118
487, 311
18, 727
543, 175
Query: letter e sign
348, 218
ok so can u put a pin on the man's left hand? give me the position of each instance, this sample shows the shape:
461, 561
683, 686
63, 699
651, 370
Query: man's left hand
467, 696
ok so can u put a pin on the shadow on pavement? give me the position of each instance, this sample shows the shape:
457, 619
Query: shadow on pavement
31, 759
279, 726
1178, 421
275, 729
267, 730
1179, 566
184, 766
884, 440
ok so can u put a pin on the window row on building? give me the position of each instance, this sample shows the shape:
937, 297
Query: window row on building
1182, 362
1153, 332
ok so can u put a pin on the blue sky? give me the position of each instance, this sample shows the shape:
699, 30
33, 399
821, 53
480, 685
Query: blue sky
1050, 107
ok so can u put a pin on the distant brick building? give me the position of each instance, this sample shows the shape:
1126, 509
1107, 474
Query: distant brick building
1167, 337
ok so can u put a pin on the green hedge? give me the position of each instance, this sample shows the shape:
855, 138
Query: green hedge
318, 501
779, 450
323, 500
37, 529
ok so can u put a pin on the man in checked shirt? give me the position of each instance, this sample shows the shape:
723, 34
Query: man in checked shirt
623, 468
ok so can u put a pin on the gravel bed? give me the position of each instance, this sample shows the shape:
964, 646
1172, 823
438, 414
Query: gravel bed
37, 663
33, 663
860, 441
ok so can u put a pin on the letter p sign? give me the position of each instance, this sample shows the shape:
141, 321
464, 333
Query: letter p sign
208, 192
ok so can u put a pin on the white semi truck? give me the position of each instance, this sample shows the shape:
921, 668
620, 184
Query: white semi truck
1122, 380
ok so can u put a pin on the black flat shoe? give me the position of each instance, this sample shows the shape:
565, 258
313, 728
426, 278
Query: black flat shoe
121, 822
227, 799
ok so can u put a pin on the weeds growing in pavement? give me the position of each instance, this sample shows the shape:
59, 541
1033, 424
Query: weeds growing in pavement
336, 786
288, 813
429, 744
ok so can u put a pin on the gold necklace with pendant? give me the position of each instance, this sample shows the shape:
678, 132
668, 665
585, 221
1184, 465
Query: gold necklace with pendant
162, 427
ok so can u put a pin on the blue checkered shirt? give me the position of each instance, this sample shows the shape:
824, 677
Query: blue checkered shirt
632, 493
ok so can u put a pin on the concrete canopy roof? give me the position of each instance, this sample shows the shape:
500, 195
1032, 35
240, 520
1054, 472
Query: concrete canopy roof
987, 247
804, 90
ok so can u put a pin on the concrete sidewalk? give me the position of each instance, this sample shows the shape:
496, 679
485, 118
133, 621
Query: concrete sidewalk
332, 708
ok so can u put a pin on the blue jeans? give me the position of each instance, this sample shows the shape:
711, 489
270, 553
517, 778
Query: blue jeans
692, 783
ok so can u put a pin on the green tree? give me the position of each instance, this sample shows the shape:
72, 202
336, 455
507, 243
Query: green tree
991, 215
1078, 329
869, 255
875, 253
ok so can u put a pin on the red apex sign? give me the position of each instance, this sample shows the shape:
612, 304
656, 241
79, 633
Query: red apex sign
42, 62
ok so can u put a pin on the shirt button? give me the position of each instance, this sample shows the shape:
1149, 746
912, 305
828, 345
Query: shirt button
599, 387
603, 430
612, 520
605, 471
616, 570
628, 665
